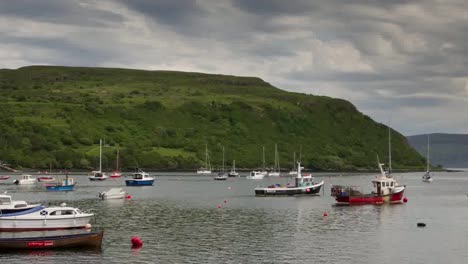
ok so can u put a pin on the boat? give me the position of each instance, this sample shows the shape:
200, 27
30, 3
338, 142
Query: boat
427, 177
386, 188
45, 179
256, 175
233, 172
98, 175
112, 193
45, 218
277, 169
207, 168
4, 177
222, 174
140, 178
303, 185
293, 171
67, 184
116, 174
83, 240
8, 205
26, 179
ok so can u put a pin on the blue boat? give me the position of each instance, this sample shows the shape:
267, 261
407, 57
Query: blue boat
140, 178
65, 185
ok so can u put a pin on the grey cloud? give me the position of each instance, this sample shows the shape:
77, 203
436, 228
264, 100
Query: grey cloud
60, 12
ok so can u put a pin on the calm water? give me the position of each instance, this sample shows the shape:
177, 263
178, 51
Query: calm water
179, 222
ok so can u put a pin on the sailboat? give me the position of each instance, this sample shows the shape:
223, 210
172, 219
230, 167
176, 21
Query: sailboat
207, 168
276, 168
221, 175
233, 172
98, 175
116, 173
258, 175
294, 170
427, 176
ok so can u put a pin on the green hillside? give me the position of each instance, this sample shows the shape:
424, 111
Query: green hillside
163, 119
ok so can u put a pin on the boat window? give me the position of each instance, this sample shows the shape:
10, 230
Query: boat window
138, 176
5, 201
391, 184
55, 213
20, 205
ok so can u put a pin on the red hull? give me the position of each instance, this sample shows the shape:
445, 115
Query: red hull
370, 199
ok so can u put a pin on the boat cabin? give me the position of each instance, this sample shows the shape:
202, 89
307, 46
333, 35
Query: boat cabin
140, 175
98, 174
5, 200
27, 177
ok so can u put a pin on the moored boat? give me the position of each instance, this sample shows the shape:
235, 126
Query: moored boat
387, 190
44, 218
45, 179
427, 177
5, 177
88, 240
140, 178
256, 175
26, 179
68, 184
98, 175
233, 172
112, 193
207, 168
303, 185
8, 205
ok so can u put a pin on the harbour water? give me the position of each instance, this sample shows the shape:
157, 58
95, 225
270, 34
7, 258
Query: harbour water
179, 221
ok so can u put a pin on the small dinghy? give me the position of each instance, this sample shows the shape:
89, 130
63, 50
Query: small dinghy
112, 193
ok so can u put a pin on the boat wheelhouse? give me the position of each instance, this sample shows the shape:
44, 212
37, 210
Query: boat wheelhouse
26, 179
140, 178
8, 205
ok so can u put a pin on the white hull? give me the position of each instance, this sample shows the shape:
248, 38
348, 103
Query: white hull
256, 175
26, 182
427, 180
203, 172
50, 218
114, 193
274, 174
293, 173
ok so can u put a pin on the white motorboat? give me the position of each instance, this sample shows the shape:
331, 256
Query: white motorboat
8, 205
256, 175
112, 193
26, 179
45, 218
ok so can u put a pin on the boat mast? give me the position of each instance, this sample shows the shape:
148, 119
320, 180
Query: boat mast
294, 160
427, 160
223, 159
100, 155
263, 158
117, 162
206, 156
389, 151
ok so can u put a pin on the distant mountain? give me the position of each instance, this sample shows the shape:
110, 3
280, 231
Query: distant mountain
55, 116
448, 150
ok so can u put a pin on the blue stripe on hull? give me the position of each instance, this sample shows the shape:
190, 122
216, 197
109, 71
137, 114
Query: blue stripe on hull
60, 188
139, 183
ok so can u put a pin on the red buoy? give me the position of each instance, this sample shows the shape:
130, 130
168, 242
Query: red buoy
219, 206
325, 214
405, 200
137, 242
129, 197
307, 190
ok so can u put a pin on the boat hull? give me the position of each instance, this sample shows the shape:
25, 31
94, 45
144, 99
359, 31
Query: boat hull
53, 188
139, 182
20, 225
289, 191
16, 210
393, 198
91, 240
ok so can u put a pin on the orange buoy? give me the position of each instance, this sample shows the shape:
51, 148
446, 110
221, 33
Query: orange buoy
137, 242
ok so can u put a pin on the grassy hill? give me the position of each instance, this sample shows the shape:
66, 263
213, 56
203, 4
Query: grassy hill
447, 150
162, 120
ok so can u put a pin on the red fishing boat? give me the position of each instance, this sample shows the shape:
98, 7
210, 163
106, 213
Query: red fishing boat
387, 190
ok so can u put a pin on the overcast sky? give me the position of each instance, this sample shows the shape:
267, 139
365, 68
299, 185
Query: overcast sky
398, 60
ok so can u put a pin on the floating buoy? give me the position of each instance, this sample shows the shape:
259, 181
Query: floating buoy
225, 201
229, 188
421, 224
137, 242
325, 214
219, 206
405, 200
307, 190
88, 226
128, 197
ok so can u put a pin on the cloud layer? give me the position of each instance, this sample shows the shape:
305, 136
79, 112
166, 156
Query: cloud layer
401, 60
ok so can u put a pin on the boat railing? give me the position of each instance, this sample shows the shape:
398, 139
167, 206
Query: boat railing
342, 190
